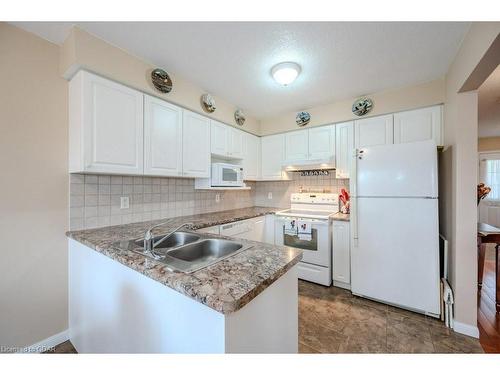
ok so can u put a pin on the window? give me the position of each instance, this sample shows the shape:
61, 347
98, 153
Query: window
492, 179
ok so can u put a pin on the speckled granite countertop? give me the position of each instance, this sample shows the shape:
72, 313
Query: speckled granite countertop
226, 286
341, 217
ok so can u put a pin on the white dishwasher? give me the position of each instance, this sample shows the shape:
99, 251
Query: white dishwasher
238, 229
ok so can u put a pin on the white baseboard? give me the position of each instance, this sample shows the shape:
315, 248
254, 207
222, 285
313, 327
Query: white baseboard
46, 344
466, 329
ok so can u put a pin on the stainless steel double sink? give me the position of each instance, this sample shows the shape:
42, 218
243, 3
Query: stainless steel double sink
186, 252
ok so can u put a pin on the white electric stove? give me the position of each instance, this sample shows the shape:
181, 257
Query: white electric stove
307, 226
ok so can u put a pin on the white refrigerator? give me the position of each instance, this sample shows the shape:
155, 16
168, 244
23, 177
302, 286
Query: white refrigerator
395, 228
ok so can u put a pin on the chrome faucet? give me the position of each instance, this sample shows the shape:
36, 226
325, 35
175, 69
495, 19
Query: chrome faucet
149, 242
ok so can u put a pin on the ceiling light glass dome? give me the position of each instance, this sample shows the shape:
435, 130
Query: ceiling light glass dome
285, 73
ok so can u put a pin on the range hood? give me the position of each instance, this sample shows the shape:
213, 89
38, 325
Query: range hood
308, 164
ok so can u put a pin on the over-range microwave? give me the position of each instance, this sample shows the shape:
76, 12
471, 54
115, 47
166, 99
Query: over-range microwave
224, 174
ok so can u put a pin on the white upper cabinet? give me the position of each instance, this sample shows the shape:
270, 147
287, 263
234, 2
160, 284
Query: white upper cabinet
162, 138
373, 131
251, 157
310, 144
235, 144
106, 126
418, 125
297, 145
273, 153
195, 145
322, 142
219, 138
226, 141
344, 149
341, 253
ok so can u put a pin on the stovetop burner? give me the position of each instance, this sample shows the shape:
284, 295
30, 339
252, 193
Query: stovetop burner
308, 205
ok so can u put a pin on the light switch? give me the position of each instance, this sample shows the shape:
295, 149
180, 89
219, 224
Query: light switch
124, 202
217, 197
270, 195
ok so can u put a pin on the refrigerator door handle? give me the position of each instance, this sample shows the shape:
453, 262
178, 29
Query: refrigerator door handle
354, 194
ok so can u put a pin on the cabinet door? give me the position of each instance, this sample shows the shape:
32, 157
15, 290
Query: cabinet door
251, 157
341, 252
195, 145
344, 148
259, 228
322, 142
235, 143
273, 151
269, 229
418, 125
238, 229
373, 131
296, 145
162, 138
219, 138
112, 122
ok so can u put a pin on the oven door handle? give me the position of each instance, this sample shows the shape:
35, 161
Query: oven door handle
312, 222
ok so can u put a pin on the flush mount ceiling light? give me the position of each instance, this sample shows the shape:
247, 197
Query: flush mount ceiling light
285, 73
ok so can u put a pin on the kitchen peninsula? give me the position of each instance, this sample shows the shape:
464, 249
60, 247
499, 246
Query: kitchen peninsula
124, 302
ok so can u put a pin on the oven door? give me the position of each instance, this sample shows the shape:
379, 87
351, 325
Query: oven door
315, 251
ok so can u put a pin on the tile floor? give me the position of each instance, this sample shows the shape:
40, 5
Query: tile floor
332, 320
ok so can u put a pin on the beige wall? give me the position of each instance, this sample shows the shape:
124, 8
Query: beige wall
34, 199
417, 96
460, 134
489, 144
83, 50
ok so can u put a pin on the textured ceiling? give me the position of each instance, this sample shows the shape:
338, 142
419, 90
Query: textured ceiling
232, 60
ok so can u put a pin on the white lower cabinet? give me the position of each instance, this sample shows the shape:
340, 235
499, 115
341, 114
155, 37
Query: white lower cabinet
259, 229
269, 230
250, 229
341, 254
238, 229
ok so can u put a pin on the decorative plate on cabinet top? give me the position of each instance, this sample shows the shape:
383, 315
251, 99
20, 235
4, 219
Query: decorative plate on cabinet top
239, 117
302, 118
208, 103
161, 80
362, 106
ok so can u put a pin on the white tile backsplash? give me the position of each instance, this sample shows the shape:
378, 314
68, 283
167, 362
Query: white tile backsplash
281, 190
95, 200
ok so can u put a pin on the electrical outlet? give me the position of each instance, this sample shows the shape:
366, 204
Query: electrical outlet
124, 202
217, 197
270, 195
